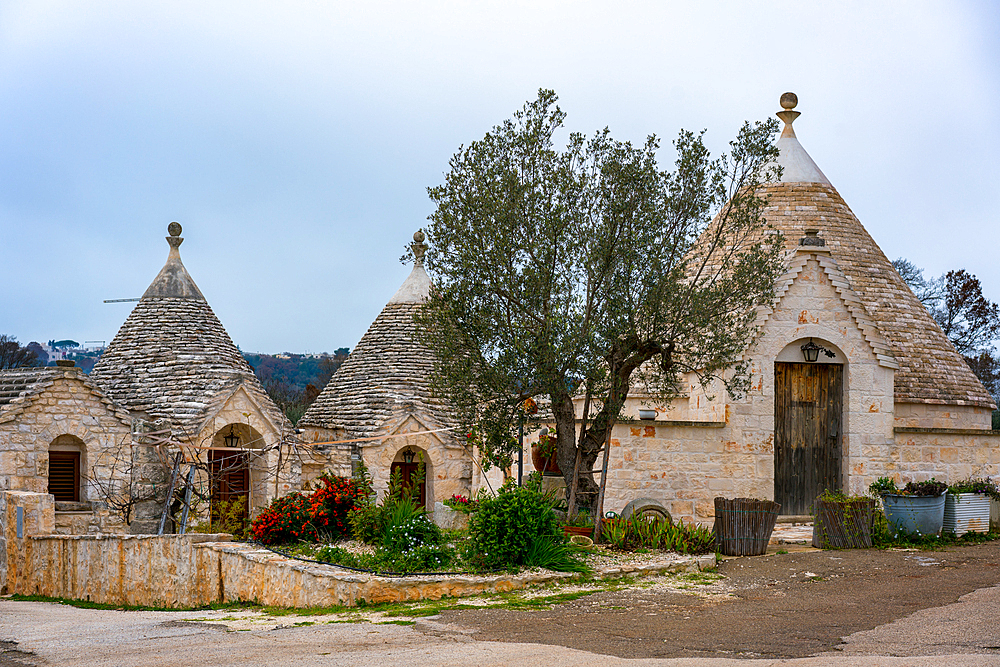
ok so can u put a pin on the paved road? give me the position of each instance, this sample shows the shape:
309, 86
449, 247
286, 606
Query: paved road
962, 631
780, 606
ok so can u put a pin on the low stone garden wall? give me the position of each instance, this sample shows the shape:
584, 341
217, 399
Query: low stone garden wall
195, 570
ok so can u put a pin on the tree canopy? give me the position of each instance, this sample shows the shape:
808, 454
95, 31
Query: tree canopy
13, 355
583, 271
969, 320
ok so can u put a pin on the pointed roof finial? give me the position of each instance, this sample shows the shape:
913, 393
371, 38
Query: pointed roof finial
418, 247
788, 102
175, 240
173, 279
417, 286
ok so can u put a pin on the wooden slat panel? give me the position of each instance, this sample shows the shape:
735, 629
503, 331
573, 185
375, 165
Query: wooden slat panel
64, 476
808, 403
230, 478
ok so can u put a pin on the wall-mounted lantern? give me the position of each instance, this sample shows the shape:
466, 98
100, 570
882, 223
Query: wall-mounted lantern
811, 351
232, 440
408, 455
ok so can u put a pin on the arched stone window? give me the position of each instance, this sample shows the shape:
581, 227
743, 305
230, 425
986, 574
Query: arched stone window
67, 463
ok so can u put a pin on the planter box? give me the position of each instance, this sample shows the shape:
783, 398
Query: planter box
923, 515
743, 525
995, 515
966, 512
843, 525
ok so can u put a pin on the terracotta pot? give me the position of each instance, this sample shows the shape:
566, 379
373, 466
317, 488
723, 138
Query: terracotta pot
549, 466
586, 531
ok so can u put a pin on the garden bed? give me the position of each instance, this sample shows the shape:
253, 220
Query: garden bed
308, 584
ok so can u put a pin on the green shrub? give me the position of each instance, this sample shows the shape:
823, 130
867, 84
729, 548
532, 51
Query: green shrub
321, 514
505, 527
657, 533
406, 527
558, 555
227, 516
366, 523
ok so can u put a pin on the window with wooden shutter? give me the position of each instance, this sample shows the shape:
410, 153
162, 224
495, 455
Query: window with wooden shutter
64, 476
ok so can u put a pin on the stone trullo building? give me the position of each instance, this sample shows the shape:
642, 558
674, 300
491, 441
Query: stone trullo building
187, 387
893, 398
381, 399
60, 434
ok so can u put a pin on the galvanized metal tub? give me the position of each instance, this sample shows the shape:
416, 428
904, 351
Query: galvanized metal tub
923, 515
966, 512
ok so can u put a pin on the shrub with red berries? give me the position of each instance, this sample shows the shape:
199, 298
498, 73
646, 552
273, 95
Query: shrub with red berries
299, 517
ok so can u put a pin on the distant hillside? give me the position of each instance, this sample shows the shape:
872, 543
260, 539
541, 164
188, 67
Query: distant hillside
293, 381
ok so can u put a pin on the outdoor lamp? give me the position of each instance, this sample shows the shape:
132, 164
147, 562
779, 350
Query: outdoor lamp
811, 351
232, 440
408, 455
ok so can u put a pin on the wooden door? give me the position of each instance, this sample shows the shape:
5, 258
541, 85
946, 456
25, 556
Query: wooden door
808, 400
408, 475
230, 479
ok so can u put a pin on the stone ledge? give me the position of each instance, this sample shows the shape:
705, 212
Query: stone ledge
945, 431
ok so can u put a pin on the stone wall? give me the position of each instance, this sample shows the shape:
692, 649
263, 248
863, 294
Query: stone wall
929, 415
195, 570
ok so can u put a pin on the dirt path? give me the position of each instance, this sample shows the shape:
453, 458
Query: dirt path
778, 606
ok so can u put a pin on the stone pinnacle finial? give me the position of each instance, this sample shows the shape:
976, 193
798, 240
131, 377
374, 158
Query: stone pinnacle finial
788, 102
418, 247
174, 229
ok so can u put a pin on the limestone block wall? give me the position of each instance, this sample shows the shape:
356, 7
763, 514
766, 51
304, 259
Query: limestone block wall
67, 408
920, 454
37, 516
929, 415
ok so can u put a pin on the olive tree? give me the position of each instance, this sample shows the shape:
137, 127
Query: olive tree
582, 272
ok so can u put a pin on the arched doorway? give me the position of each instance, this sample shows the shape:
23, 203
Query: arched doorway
408, 463
229, 472
808, 424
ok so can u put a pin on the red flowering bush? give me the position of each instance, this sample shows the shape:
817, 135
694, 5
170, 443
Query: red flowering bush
322, 513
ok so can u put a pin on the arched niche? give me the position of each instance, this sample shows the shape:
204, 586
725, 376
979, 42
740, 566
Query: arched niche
407, 461
67, 466
792, 353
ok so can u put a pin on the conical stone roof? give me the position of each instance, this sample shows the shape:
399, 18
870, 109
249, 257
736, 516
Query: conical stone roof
930, 370
388, 372
172, 358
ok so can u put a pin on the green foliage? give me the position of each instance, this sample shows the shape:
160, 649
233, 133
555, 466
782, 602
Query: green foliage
657, 533
503, 530
983, 486
883, 485
227, 516
323, 514
930, 487
556, 268
407, 527
366, 523
557, 555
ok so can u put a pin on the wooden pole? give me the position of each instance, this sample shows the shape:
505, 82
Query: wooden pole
576, 466
604, 483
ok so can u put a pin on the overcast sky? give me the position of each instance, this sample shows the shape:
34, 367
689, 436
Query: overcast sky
295, 141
